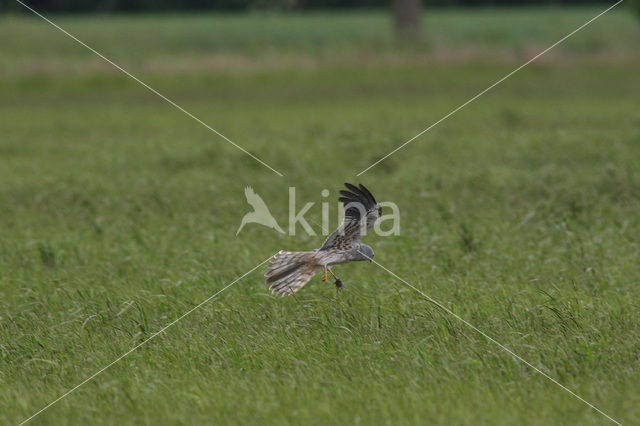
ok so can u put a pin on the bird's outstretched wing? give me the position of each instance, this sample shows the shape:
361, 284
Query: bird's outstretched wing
361, 213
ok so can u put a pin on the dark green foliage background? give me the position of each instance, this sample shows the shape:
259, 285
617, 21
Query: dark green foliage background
242, 5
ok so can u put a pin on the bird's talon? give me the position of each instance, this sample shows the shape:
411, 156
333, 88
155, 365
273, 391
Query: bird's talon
324, 277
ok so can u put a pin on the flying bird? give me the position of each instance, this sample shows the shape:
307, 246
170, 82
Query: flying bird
289, 271
260, 213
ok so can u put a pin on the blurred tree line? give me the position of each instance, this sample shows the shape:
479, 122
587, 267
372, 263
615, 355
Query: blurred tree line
241, 5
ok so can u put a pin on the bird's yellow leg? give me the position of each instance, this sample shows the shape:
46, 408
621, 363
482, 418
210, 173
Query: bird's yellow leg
324, 277
331, 272
339, 283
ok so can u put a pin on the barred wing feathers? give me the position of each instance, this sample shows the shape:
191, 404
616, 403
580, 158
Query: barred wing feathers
361, 212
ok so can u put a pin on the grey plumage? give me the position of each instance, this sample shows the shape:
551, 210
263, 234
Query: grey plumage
289, 271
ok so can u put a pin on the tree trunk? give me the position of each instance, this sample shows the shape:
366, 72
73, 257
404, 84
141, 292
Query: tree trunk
407, 14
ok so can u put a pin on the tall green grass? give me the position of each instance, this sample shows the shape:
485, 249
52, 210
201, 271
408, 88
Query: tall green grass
119, 214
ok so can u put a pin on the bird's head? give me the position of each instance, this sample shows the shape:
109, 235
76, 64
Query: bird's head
364, 252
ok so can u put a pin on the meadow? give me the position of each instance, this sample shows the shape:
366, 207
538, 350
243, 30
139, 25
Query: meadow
519, 213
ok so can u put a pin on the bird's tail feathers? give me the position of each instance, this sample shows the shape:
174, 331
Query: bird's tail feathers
289, 271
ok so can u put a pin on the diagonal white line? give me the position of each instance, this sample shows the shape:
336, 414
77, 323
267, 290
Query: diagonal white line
491, 87
492, 340
162, 330
151, 89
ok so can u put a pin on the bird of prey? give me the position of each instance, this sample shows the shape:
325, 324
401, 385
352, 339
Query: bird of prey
289, 271
260, 213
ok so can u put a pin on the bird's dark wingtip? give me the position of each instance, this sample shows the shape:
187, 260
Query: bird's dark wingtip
359, 193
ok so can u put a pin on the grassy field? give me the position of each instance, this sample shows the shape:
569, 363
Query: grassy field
520, 213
